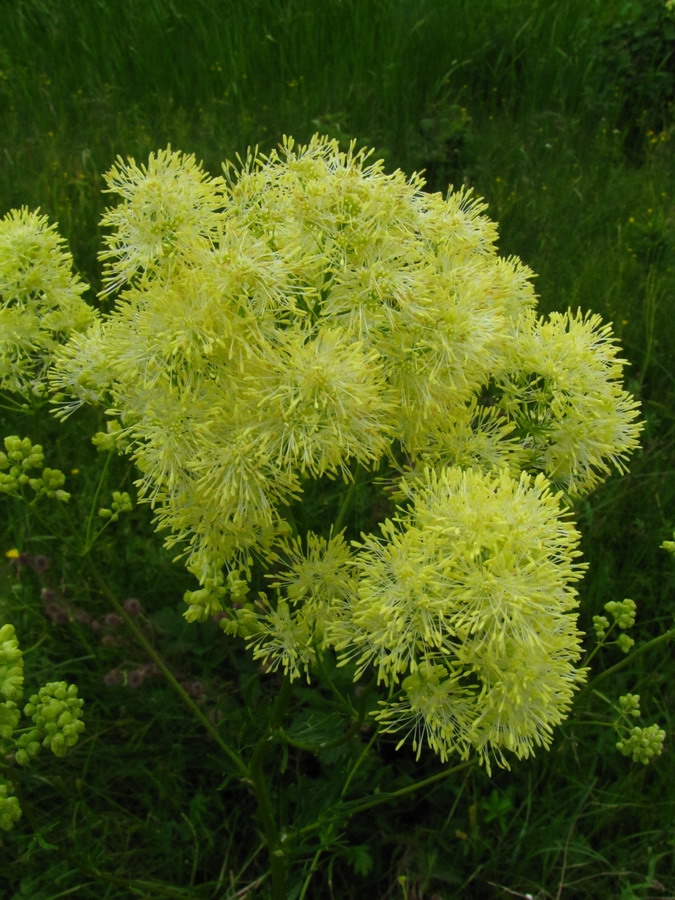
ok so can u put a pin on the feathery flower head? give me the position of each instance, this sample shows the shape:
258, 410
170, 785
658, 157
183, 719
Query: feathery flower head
319, 578
566, 397
40, 299
317, 571
477, 577
436, 709
168, 206
35, 267
283, 640
320, 401
309, 312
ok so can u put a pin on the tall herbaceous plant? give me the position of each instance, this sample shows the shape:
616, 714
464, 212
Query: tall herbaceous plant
310, 317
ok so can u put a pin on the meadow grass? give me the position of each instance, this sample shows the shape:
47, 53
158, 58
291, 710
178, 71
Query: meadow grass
563, 122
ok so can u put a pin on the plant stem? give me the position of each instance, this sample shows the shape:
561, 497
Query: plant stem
168, 674
346, 502
277, 854
252, 774
666, 636
88, 542
377, 800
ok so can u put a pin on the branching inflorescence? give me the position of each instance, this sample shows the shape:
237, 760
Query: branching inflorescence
309, 314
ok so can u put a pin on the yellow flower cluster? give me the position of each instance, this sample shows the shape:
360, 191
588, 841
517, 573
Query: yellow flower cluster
307, 314
464, 606
470, 591
40, 300
565, 395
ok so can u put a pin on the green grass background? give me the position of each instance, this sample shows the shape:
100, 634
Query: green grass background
561, 116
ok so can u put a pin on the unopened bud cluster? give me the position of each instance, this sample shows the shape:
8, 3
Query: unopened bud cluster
623, 617
19, 464
121, 503
55, 712
642, 744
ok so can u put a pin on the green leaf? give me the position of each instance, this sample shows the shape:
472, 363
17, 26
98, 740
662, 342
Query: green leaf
358, 858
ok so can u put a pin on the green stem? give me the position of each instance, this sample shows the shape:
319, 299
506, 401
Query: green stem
666, 636
88, 542
168, 674
277, 854
252, 774
13, 406
346, 502
312, 870
601, 643
364, 753
380, 798
593, 722
325, 677
317, 748
377, 800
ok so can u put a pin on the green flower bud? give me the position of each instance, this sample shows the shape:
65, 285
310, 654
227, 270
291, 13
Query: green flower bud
28, 747
8, 484
248, 622
22, 452
643, 744
10, 811
56, 711
112, 439
11, 665
630, 704
122, 502
237, 586
622, 612
666, 545
9, 719
205, 601
53, 479
103, 441
624, 642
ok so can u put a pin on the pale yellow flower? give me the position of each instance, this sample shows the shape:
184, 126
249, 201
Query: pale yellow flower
170, 206
564, 392
312, 313
474, 580
40, 299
